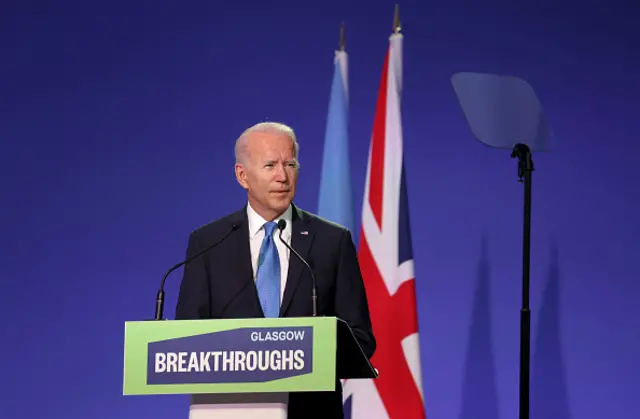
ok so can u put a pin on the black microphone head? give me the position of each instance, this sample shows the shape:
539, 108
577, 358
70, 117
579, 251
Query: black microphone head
282, 224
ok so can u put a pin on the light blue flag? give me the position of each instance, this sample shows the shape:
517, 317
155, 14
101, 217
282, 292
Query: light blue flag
336, 196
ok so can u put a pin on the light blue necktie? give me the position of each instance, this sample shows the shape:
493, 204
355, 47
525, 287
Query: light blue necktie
268, 277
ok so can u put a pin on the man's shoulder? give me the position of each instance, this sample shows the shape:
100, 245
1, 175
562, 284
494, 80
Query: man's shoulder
219, 225
322, 224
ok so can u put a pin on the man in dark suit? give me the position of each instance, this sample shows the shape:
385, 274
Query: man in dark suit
251, 273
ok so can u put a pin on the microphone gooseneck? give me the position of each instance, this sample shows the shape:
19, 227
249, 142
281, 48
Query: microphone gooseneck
314, 298
160, 295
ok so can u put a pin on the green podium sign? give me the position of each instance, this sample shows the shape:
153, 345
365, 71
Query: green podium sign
240, 356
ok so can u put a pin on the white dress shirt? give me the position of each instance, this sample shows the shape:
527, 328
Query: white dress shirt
256, 235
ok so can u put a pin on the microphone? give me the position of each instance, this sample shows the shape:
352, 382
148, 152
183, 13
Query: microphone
160, 296
314, 298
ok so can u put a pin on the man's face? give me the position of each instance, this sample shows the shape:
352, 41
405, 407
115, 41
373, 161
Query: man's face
269, 173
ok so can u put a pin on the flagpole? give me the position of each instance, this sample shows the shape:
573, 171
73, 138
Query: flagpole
396, 19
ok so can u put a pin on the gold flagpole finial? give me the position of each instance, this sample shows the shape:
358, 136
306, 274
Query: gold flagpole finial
343, 41
396, 20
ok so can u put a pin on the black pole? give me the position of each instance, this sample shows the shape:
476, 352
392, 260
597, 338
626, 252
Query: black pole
525, 167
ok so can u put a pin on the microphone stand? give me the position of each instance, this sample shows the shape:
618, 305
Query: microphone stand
314, 298
525, 167
160, 296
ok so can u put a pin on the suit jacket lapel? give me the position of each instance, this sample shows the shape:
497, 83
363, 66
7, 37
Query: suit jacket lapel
243, 269
301, 239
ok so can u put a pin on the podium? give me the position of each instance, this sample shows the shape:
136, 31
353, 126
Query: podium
240, 368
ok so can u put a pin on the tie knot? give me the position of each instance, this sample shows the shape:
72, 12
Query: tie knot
269, 227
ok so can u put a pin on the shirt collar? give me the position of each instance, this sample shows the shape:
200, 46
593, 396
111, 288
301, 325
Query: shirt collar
256, 222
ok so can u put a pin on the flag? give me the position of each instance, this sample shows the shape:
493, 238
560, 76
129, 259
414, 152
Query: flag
386, 261
335, 200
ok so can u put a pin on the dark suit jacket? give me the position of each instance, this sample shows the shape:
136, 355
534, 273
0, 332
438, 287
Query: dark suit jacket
220, 284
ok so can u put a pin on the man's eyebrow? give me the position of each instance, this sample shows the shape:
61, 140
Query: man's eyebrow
272, 162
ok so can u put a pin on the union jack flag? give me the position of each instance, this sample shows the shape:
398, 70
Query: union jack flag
386, 259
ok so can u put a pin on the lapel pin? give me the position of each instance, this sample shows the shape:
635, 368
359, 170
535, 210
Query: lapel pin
304, 233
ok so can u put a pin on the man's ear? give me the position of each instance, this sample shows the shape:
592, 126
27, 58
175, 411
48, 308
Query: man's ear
241, 175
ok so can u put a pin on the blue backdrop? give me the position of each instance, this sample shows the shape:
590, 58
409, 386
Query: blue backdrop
117, 123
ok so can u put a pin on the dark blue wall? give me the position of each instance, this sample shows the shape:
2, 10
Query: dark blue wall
117, 123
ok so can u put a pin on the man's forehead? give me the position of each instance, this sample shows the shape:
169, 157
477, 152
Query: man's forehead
262, 140
276, 157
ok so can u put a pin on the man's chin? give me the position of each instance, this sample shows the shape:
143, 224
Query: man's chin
281, 201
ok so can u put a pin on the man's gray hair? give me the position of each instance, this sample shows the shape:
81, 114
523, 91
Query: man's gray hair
266, 127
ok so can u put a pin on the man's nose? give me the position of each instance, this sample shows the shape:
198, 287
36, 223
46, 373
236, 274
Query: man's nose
281, 173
